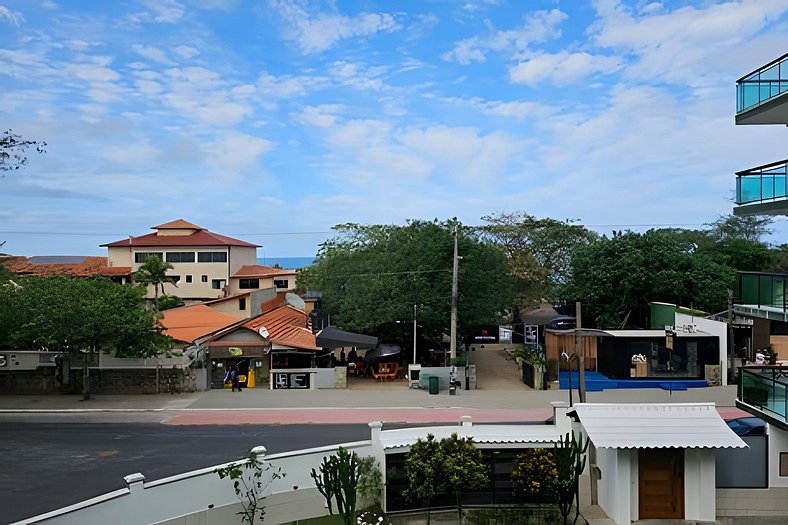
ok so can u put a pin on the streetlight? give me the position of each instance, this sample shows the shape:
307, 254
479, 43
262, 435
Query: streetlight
569, 359
414, 332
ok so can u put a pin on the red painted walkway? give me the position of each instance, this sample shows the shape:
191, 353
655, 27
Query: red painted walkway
298, 416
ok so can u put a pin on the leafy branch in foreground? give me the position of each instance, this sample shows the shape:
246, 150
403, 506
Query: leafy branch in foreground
12, 150
251, 478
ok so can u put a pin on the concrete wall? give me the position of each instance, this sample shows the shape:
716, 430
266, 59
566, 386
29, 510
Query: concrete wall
616, 484
110, 381
710, 326
200, 497
699, 492
778, 442
325, 377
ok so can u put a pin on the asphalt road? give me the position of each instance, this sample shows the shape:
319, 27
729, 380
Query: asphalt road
49, 465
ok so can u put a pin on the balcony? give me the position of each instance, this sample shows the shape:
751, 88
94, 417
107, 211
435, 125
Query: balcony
762, 295
761, 95
762, 190
762, 393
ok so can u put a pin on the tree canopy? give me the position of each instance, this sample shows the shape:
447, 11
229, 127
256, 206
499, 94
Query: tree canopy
539, 252
371, 276
613, 276
72, 314
154, 272
13, 148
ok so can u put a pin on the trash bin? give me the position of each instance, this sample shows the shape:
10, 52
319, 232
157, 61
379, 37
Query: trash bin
453, 390
434, 384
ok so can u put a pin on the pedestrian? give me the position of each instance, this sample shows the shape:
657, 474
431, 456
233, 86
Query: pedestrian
342, 357
234, 378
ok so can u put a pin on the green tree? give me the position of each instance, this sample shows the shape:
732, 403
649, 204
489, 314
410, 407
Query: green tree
534, 475
12, 150
463, 468
154, 272
615, 275
423, 468
167, 302
538, 251
371, 276
70, 314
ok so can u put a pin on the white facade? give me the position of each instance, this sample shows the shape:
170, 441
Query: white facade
709, 326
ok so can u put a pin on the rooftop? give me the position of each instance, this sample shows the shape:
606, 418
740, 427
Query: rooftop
258, 270
198, 237
71, 265
191, 322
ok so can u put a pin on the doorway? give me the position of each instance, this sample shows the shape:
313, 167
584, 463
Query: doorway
661, 483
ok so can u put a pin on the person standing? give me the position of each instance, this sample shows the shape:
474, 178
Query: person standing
234, 378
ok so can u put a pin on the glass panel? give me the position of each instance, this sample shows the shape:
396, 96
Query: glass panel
750, 189
749, 95
767, 187
749, 288
773, 73
764, 290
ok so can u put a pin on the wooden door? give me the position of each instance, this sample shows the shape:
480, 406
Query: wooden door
661, 483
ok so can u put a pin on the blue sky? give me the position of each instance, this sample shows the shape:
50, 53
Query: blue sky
274, 120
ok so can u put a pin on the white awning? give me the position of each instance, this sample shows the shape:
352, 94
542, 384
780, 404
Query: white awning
481, 434
657, 425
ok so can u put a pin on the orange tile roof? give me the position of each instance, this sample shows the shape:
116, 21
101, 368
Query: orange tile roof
287, 326
88, 267
258, 270
200, 238
191, 322
178, 224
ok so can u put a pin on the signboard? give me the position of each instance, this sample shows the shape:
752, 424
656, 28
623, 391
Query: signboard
485, 334
291, 380
670, 336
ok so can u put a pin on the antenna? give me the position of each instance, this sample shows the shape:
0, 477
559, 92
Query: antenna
263, 331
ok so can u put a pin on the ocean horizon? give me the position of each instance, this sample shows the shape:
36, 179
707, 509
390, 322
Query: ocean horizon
287, 263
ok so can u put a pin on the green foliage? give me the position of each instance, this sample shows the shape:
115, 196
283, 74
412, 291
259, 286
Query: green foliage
513, 515
447, 467
167, 302
154, 272
12, 150
460, 360
250, 478
370, 484
614, 275
535, 475
531, 355
71, 314
569, 455
338, 483
539, 252
371, 276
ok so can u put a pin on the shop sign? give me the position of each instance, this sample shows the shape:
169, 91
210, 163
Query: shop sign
291, 380
235, 351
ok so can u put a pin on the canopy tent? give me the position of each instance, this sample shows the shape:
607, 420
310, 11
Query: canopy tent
333, 337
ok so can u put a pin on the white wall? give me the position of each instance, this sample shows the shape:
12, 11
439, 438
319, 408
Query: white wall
778, 442
699, 485
710, 326
614, 484
326, 378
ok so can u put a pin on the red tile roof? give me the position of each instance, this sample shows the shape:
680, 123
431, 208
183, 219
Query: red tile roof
287, 326
200, 238
179, 224
89, 266
191, 322
258, 270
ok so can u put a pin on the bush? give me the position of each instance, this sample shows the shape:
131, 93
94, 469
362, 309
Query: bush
535, 475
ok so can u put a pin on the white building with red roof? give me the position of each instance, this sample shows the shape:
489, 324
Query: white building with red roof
204, 262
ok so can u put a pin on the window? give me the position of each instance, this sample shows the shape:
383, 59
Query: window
180, 257
206, 257
141, 257
188, 278
204, 278
242, 303
783, 464
218, 284
246, 284
280, 283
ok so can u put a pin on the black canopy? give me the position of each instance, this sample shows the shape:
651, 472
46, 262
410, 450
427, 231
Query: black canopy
333, 337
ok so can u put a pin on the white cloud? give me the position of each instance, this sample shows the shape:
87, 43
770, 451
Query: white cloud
688, 44
200, 93
185, 52
163, 11
287, 86
136, 153
538, 26
317, 32
152, 53
357, 76
322, 116
562, 68
12, 17
236, 151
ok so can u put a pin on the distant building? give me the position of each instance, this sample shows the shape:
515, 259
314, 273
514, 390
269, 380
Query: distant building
204, 262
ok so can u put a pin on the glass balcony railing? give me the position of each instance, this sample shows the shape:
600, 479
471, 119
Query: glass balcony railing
764, 183
762, 289
764, 388
761, 85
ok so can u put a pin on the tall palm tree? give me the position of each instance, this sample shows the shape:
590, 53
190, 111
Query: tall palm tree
154, 271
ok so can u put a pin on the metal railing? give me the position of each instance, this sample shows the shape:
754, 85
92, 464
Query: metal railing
762, 289
762, 84
764, 388
764, 183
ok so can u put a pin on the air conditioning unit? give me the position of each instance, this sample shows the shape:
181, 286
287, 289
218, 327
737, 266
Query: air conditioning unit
713, 375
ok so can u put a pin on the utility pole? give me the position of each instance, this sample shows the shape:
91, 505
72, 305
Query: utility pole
455, 271
580, 353
414, 334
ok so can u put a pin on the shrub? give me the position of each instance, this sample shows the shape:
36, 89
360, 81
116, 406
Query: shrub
535, 475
